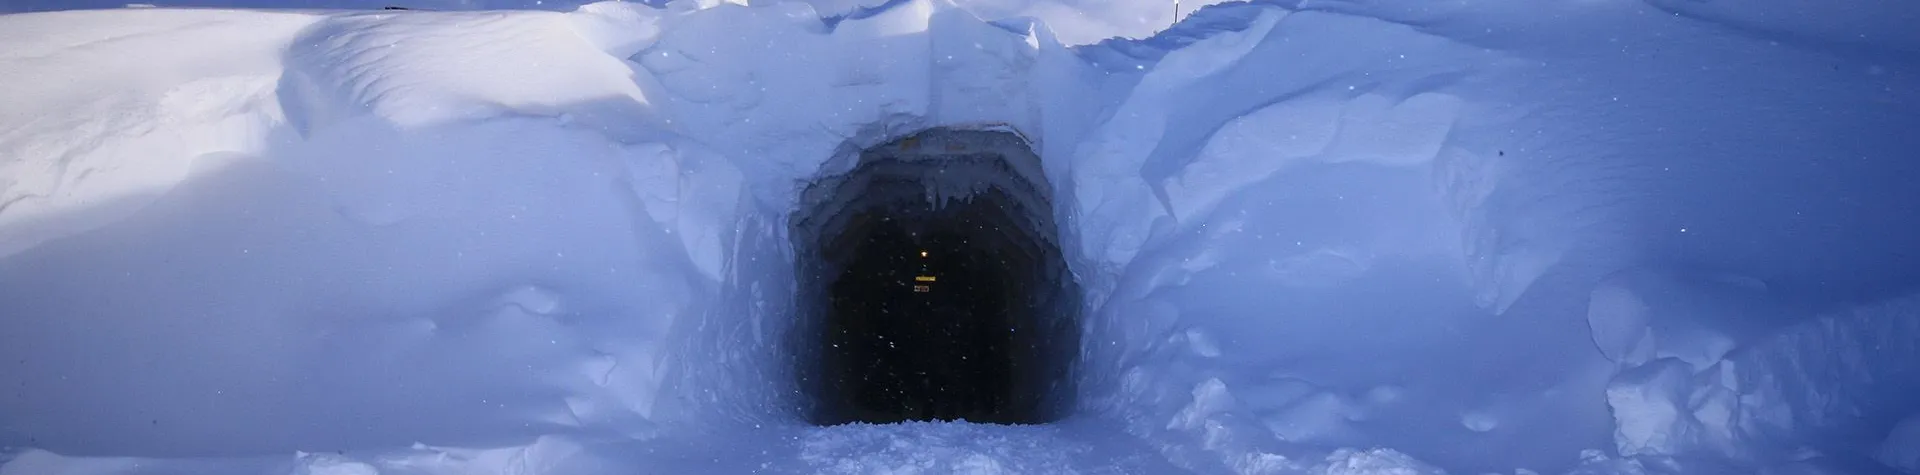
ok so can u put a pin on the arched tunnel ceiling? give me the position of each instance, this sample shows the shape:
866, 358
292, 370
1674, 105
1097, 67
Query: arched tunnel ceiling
987, 161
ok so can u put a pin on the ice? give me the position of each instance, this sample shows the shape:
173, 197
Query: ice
1314, 237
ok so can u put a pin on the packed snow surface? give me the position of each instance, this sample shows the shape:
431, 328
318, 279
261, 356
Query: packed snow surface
1357, 237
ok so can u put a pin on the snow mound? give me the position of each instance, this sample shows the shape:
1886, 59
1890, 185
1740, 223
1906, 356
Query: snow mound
417, 70
501, 199
138, 109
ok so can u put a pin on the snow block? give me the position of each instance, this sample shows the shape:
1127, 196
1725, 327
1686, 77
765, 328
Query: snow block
1618, 319
1650, 410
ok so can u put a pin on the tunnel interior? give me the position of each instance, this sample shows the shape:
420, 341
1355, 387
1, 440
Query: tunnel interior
932, 285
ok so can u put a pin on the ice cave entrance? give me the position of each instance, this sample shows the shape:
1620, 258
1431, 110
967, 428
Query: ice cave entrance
932, 285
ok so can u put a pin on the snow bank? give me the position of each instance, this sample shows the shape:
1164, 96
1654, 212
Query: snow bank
1075, 21
1267, 175
583, 210
253, 302
1820, 384
1296, 226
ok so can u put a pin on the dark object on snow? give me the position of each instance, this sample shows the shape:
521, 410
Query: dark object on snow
390, 7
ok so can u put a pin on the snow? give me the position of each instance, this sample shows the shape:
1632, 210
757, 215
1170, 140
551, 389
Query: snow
1375, 462
1901, 450
189, 103
1830, 375
1650, 406
1601, 237
934, 447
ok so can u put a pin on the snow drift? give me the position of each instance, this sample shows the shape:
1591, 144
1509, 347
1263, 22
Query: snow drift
1348, 237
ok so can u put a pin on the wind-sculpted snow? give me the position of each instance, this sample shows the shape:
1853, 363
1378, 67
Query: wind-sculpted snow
1869, 24
1477, 236
104, 113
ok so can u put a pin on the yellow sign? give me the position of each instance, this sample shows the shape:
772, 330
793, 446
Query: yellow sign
923, 278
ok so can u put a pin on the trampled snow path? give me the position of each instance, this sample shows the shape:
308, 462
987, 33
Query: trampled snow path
970, 448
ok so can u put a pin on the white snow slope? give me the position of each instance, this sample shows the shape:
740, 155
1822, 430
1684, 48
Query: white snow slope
1317, 237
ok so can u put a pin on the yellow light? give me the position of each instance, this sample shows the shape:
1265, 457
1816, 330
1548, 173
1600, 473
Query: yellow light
923, 253
923, 278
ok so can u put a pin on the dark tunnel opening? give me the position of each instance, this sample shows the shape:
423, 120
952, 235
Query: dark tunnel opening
933, 286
